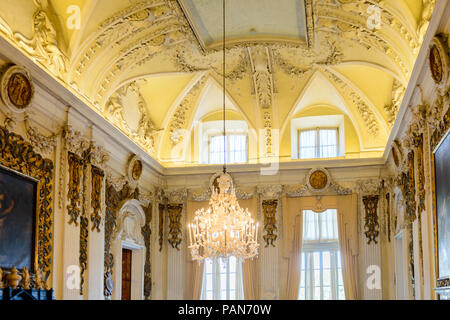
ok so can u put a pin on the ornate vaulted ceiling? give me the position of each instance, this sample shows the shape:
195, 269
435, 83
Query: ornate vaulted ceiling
153, 67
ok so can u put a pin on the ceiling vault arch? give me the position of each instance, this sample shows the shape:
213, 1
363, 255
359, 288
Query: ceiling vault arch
124, 44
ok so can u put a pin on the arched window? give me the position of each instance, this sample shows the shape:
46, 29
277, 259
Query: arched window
222, 279
320, 265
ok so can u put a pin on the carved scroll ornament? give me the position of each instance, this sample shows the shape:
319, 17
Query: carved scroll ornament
371, 218
174, 211
74, 193
270, 221
161, 208
146, 233
96, 195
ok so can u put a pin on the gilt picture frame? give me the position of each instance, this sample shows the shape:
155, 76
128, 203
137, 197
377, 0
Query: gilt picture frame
441, 210
19, 198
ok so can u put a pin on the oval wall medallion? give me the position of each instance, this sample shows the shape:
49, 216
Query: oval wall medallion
318, 180
438, 62
17, 89
134, 168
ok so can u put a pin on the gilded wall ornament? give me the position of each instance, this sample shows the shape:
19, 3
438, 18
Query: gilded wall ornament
146, 233
270, 221
438, 61
17, 89
74, 192
161, 210
97, 176
174, 212
134, 168
371, 218
83, 258
318, 180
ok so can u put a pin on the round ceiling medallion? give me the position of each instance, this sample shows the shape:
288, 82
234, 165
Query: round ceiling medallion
318, 180
17, 90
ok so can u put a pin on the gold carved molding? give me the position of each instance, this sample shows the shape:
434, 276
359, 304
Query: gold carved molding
161, 209
270, 221
146, 233
96, 197
174, 211
74, 193
371, 218
18, 155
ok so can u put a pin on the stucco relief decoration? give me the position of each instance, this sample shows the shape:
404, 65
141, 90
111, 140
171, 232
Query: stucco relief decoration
318, 180
43, 47
144, 133
270, 221
17, 89
43, 144
371, 218
174, 212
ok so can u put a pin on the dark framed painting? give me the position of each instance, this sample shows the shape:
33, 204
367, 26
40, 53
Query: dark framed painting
18, 220
441, 163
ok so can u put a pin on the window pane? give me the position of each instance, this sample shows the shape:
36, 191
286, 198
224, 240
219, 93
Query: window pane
321, 264
327, 293
216, 150
327, 277
307, 144
233, 263
328, 143
221, 283
209, 266
316, 293
326, 259
232, 281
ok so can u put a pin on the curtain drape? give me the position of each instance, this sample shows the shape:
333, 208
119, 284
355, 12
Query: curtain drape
348, 243
197, 277
250, 279
294, 260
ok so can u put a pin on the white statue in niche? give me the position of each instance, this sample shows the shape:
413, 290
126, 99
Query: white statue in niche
130, 222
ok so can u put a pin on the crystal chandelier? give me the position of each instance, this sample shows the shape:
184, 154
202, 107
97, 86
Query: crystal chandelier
224, 229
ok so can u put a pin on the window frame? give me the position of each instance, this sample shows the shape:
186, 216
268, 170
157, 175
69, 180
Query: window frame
317, 147
309, 247
228, 149
216, 279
